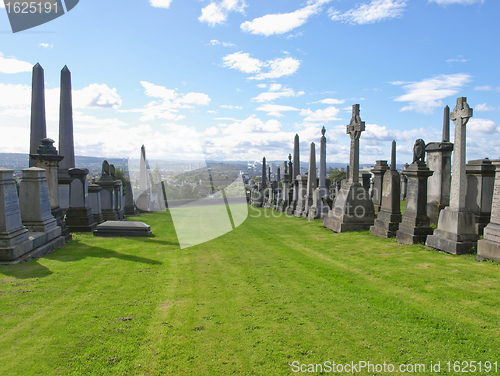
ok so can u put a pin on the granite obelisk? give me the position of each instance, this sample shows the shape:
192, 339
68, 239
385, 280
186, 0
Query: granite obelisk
38, 129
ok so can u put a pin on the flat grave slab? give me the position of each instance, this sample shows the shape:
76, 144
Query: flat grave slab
122, 228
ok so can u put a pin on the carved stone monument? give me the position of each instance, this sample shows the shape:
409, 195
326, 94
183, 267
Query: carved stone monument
296, 172
439, 161
489, 247
456, 232
107, 183
389, 216
378, 176
415, 224
352, 208
38, 124
319, 209
480, 185
95, 202
79, 217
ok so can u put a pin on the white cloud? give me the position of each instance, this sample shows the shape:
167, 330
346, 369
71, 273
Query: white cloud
45, 45
278, 67
328, 114
215, 42
262, 86
216, 13
96, 96
483, 107
486, 88
275, 109
252, 124
160, 3
231, 107
276, 91
330, 101
481, 127
12, 65
425, 96
459, 59
283, 22
212, 112
243, 62
212, 131
462, 2
375, 11
169, 104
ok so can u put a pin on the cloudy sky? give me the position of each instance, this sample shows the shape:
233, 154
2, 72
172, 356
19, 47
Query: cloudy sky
236, 79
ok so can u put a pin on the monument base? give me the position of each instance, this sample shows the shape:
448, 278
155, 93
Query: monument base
352, 210
386, 225
111, 215
488, 250
80, 220
123, 228
456, 232
59, 216
290, 210
131, 211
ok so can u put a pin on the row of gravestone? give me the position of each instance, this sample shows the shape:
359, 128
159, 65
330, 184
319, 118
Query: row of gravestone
463, 207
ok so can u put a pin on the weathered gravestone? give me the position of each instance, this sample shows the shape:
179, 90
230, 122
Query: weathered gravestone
107, 183
480, 186
415, 224
79, 217
287, 179
319, 209
439, 161
296, 172
95, 202
456, 232
378, 172
257, 194
389, 216
489, 247
66, 142
130, 208
352, 208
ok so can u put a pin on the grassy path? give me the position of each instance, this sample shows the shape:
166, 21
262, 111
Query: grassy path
271, 292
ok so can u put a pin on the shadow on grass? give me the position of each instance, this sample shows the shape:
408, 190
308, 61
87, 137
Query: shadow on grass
27, 270
84, 250
154, 240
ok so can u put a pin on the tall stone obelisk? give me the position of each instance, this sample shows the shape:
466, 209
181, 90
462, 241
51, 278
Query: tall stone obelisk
311, 181
456, 231
66, 143
38, 129
296, 172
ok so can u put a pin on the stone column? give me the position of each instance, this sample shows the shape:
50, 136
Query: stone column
38, 124
439, 161
66, 143
319, 209
311, 182
378, 175
95, 202
480, 186
389, 216
48, 159
13, 235
489, 247
456, 232
296, 172
404, 183
79, 217
352, 208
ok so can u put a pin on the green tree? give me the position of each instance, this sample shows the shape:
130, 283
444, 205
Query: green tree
336, 174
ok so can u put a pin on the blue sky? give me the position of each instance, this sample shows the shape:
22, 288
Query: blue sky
236, 79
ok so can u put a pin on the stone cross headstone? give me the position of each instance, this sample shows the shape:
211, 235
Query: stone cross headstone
353, 208
489, 247
354, 129
456, 232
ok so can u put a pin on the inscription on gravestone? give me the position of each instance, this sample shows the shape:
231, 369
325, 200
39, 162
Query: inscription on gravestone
11, 201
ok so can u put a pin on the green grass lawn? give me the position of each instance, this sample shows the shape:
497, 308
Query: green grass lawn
271, 292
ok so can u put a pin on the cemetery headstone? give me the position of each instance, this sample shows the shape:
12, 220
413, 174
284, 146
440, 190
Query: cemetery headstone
79, 216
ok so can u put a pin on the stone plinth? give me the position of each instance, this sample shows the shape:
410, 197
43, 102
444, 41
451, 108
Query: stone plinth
489, 247
415, 224
79, 217
95, 202
318, 209
480, 185
352, 209
389, 217
301, 195
439, 184
378, 175
123, 228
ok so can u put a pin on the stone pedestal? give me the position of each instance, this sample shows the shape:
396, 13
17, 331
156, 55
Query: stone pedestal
318, 209
438, 189
13, 235
301, 194
415, 224
107, 183
79, 217
95, 202
480, 184
378, 175
489, 247
352, 209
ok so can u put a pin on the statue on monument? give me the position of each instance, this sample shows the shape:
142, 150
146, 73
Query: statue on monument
419, 151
